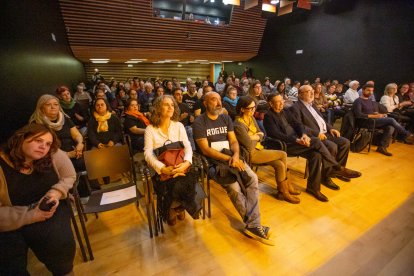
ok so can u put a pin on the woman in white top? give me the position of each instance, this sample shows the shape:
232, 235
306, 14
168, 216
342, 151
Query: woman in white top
395, 108
390, 99
352, 93
165, 127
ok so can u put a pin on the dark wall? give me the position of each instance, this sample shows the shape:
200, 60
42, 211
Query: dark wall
31, 63
346, 39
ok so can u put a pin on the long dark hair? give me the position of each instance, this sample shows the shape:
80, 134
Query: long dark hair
30, 132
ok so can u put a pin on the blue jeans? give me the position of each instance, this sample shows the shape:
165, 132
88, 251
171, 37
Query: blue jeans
246, 205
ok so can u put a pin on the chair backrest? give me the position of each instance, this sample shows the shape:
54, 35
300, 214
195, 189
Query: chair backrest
107, 161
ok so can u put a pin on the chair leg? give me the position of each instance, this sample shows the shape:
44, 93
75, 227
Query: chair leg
77, 233
306, 174
204, 202
208, 198
85, 233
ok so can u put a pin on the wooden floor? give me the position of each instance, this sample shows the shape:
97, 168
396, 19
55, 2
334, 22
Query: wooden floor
367, 228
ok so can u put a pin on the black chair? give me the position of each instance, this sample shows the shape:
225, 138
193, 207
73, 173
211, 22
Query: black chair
103, 163
367, 124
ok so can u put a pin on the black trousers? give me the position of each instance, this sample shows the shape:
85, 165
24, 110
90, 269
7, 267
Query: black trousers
51, 241
320, 161
338, 147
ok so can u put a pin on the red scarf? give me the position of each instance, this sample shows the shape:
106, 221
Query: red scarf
139, 115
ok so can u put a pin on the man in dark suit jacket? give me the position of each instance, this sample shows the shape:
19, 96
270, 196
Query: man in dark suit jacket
308, 115
279, 126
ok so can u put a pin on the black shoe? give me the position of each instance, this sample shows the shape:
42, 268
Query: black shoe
384, 151
266, 230
343, 178
259, 234
318, 195
330, 184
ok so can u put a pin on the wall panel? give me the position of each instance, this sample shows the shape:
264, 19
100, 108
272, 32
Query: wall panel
97, 29
121, 71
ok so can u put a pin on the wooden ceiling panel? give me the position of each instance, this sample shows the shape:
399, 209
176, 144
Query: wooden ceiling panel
124, 29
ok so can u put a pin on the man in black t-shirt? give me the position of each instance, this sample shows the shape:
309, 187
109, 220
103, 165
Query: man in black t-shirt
191, 100
213, 133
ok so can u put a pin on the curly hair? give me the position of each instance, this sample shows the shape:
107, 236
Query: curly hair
30, 132
156, 110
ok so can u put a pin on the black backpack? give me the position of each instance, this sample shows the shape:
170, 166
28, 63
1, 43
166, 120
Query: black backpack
360, 140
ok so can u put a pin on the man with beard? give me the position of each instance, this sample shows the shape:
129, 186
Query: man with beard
364, 107
214, 135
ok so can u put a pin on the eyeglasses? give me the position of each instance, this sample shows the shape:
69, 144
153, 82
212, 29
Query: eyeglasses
250, 108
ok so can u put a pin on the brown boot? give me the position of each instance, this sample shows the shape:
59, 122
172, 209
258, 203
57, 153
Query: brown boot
292, 189
283, 186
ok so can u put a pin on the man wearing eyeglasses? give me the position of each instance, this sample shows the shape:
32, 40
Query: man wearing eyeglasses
307, 114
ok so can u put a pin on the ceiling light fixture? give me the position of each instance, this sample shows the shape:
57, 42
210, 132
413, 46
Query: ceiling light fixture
100, 61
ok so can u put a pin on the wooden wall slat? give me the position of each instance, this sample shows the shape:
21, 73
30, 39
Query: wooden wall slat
94, 25
122, 72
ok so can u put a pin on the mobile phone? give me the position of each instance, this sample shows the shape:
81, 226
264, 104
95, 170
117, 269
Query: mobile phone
46, 206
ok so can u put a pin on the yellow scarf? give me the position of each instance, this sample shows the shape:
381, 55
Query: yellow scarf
252, 130
102, 121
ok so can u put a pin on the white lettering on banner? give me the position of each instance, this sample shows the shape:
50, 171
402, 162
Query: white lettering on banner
217, 130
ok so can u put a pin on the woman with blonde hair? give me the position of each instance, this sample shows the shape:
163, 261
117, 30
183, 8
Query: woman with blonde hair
49, 112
